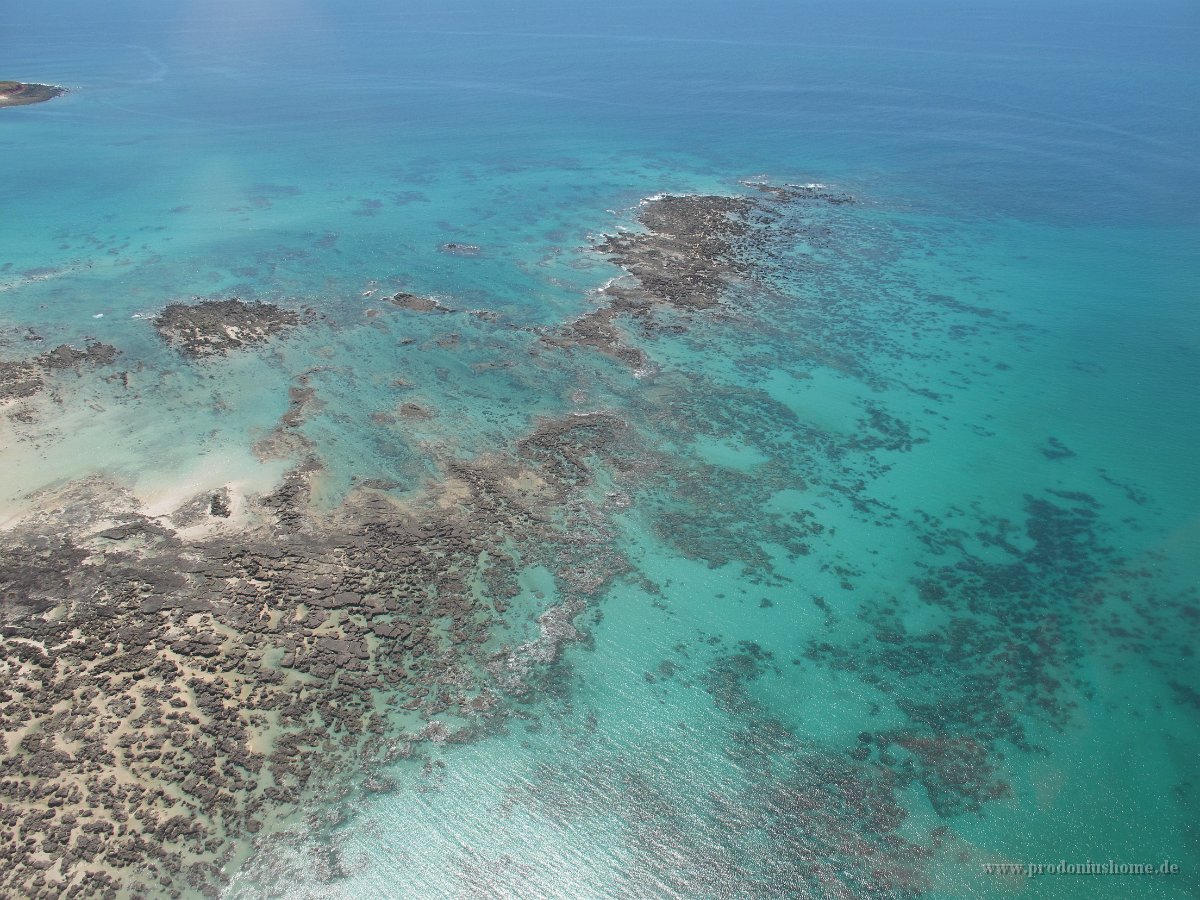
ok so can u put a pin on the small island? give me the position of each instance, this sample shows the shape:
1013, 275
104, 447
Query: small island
16, 93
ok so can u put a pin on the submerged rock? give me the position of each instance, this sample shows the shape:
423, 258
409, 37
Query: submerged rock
414, 411
416, 303
65, 356
461, 249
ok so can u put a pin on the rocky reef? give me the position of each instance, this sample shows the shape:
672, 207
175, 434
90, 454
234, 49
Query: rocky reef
686, 253
17, 93
691, 250
24, 378
174, 683
215, 327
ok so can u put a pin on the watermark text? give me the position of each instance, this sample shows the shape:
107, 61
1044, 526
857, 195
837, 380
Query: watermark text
1088, 867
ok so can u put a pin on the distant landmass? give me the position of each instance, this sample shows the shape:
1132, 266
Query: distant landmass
16, 93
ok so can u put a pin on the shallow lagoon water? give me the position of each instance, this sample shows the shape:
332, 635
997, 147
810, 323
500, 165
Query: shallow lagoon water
930, 482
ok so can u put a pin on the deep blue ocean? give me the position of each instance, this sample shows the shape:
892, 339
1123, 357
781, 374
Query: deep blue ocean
913, 559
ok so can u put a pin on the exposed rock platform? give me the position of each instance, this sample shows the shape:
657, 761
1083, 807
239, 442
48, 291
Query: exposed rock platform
215, 327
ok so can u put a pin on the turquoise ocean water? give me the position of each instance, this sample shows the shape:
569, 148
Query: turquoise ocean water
912, 537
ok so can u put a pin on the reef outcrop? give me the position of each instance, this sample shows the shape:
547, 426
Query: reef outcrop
166, 693
690, 252
24, 378
215, 327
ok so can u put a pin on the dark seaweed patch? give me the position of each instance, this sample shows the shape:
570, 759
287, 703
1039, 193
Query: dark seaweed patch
1056, 449
1009, 653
